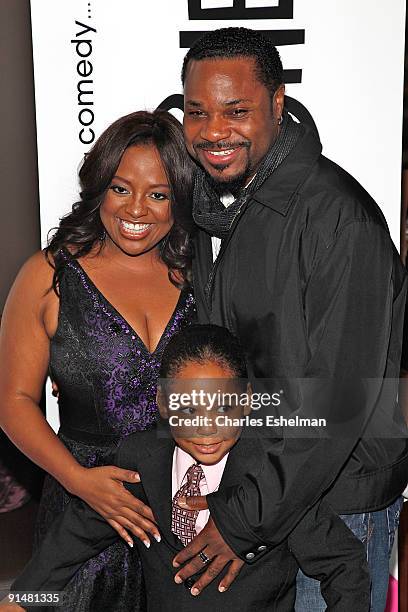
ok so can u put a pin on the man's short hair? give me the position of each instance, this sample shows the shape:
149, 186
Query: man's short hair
240, 42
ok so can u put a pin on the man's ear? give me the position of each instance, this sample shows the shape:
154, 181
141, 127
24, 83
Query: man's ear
248, 407
279, 101
162, 403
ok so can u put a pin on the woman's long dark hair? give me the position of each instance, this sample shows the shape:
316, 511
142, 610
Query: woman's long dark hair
82, 229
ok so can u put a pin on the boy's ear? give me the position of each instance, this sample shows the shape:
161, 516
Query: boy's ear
161, 403
248, 407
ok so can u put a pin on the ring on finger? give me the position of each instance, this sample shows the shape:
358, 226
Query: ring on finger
204, 557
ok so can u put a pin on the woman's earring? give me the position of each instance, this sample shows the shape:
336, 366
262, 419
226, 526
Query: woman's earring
280, 120
102, 235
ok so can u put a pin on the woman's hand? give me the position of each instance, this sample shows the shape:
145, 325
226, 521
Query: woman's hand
102, 489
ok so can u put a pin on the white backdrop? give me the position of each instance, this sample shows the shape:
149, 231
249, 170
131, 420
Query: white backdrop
127, 55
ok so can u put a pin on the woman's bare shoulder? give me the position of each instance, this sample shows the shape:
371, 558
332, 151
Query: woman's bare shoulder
37, 270
34, 280
31, 300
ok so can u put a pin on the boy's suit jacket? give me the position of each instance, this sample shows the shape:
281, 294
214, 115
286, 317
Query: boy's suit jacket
321, 543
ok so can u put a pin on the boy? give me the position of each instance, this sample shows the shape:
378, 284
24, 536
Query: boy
201, 455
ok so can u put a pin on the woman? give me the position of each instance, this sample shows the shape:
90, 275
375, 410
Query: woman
96, 310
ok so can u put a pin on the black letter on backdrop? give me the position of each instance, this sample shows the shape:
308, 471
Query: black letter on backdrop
239, 10
284, 10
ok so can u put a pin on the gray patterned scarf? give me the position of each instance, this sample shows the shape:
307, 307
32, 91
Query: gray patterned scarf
209, 212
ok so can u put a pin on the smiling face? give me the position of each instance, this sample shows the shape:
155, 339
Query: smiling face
209, 439
136, 210
229, 120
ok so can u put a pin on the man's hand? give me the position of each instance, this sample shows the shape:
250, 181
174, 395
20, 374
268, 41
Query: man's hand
210, 542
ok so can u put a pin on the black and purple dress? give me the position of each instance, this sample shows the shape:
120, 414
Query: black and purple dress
107, 389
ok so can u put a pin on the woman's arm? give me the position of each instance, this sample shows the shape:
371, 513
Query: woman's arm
24, 353
29, 322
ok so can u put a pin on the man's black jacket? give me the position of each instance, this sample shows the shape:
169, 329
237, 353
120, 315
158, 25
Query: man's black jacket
310, 281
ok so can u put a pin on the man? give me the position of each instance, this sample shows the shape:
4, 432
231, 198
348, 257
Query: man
295, 257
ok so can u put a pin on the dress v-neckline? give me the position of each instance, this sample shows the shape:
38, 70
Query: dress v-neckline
125, 321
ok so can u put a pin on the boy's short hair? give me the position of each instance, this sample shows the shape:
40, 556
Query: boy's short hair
200, 344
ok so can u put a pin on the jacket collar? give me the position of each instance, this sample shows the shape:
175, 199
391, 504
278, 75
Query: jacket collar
281, 187
245, 456
155, 468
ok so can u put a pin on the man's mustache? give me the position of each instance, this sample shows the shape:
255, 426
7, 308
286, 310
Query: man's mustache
206, 146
